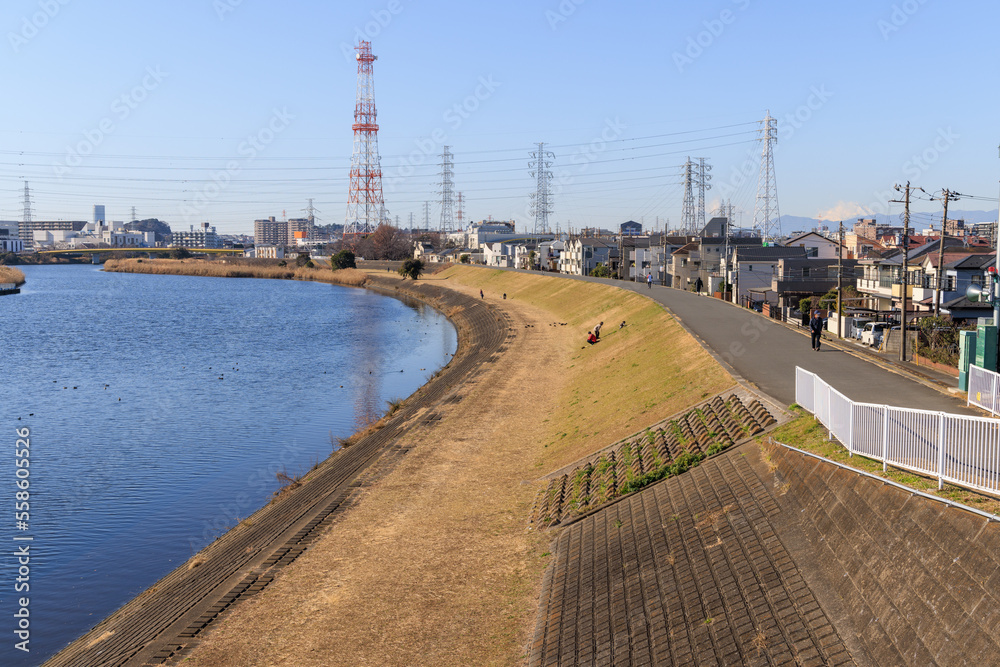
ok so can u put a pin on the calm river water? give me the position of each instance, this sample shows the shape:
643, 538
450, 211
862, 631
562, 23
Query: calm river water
160, 409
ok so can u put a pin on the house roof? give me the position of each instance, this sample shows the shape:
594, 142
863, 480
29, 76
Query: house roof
686, 249
800, 237
961, 303
770, 253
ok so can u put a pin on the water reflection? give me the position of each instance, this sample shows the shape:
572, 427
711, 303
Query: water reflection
161, 408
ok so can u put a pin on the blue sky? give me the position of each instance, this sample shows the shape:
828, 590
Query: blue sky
154, 105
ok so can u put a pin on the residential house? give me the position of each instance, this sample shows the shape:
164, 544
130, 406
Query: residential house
750, 270
498, 254
819, 246
796, 278
880, 279
582, 255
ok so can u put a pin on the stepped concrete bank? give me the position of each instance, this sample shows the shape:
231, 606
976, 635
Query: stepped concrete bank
764, 555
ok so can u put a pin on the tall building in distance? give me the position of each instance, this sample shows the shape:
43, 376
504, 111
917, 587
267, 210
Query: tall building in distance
299, 229
202, 236
365, 206
270, 232
99, 217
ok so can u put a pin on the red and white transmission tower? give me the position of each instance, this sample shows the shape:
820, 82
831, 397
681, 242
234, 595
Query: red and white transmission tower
365, 206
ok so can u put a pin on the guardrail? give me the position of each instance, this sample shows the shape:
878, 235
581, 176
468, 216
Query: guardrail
958, 449
983, 388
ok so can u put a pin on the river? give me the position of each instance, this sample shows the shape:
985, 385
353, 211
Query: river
161, 408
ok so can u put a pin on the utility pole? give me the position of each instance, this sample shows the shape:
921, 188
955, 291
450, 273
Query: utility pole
947, 196
840, 281
906, 266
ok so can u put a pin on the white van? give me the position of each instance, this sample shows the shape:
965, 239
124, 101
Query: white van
872, 333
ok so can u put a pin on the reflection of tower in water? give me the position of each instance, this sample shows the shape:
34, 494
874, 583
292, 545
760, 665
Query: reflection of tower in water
366, 380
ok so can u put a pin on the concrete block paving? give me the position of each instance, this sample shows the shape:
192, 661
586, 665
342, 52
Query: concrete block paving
688, 571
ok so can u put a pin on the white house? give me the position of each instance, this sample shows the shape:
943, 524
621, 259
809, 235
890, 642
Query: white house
816, 245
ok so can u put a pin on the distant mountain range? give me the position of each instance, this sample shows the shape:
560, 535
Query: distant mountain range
918, 220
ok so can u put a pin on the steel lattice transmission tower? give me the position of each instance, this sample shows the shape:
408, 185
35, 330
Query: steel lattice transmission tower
460, 213
688, 220
25, 232
766, 207
702, 181
365, 206
447, 190
541, 205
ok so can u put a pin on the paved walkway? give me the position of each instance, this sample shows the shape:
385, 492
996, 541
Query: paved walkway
765, 353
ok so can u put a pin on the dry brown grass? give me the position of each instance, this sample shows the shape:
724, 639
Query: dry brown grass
633, 377
8, 274
433, 565
236, 268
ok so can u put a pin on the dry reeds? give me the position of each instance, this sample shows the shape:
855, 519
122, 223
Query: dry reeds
8, 274
235, 268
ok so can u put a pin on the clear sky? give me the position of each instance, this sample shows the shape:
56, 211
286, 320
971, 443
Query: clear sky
154, 104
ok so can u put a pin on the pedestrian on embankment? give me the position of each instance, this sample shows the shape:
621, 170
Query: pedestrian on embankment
816, 327
597, 331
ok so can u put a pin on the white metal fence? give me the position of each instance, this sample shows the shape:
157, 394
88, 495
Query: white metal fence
983, 386
959, 449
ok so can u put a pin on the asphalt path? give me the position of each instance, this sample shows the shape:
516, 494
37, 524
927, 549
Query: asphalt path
765, 353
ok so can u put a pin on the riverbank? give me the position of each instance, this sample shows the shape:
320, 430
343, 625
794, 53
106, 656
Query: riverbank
237, 268
433, 563
10, 275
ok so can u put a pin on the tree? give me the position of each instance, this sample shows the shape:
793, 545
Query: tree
302, 260
412, 268
179, 253
601, 271
389, 243
465, 259
343, 260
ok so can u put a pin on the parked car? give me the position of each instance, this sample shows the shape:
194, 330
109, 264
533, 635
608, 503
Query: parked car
872, 333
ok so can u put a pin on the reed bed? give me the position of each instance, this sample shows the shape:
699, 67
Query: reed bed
235, 269
8, 274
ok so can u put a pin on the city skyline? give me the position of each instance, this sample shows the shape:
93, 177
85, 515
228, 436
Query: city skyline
230, 112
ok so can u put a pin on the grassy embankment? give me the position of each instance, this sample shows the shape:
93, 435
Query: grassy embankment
449, 523
634, 377
9, 274
806, 433
236, 268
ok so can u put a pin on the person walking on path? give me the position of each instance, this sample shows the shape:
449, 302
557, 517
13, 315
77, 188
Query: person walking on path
649, 281
816, 327
481, 294
597, 331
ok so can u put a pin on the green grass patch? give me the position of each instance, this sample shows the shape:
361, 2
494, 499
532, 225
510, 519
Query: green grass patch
806, 433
